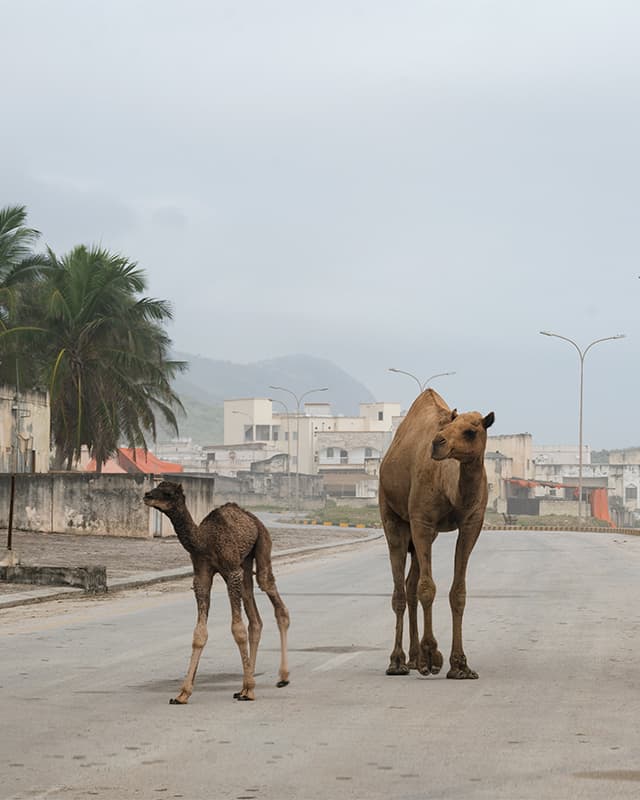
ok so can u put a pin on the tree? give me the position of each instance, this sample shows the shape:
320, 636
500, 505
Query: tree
18, 262
103, 351
20, 267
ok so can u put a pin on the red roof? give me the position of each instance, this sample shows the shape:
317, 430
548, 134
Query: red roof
134, 460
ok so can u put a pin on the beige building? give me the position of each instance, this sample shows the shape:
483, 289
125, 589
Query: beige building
343, 448
25, 431
516, 446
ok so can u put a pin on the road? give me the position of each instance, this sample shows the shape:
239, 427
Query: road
552, 626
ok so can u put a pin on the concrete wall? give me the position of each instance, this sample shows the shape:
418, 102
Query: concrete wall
93, 504
567, 508
112, 505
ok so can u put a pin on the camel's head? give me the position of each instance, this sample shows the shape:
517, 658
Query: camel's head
165, 496
463, 438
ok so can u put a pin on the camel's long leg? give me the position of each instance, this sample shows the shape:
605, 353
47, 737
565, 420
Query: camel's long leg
202, 578
266, 581
398, 535
422, 536
268, 585
467, 538
412, 606
235, 581
253, 615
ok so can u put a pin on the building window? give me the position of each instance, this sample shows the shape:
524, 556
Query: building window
344, 457
631, 493
329, 452
275, 433
380, 415
262, 433
368, 452
248, 433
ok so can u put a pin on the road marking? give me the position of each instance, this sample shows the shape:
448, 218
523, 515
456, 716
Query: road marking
336, 661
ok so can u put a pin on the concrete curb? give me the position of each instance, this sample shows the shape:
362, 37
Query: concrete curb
562, 529
42, 595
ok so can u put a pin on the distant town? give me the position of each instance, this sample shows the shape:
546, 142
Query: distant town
273, 455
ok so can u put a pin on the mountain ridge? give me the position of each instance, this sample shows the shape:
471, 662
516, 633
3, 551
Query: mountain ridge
208, 382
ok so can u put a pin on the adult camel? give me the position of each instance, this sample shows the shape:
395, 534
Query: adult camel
432, 479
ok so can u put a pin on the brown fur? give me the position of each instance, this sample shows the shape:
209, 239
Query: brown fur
432, 479
228, 541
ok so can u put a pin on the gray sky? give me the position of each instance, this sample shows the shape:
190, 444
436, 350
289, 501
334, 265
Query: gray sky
423, 185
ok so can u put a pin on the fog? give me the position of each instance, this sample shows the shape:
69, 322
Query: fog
423, 185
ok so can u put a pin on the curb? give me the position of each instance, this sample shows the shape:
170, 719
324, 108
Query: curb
43, 595
562, 529
333, 524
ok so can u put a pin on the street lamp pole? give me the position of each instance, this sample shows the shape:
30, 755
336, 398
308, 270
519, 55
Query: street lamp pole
582, 354
284, 405
298, 402
421, 384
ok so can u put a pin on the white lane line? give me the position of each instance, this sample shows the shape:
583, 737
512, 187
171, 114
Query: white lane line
336, 661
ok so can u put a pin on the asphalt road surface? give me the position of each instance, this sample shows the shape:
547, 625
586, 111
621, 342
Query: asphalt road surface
552, 626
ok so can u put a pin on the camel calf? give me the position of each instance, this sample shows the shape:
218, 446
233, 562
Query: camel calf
432, 479
229, 540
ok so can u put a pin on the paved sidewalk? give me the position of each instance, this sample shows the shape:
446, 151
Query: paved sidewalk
136, 562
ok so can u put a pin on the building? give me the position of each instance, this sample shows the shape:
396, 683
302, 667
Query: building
135, 461
25, 431
183, 451
344, 450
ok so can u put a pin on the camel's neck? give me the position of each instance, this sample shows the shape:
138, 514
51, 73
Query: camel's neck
470, 482
184, 526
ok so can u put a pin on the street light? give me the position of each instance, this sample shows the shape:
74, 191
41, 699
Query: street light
298, 402
286, 408
582, 354
421, 384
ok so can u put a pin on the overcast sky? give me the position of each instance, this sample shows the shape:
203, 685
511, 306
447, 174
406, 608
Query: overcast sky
416, 184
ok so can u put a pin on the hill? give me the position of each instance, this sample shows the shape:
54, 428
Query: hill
208, 382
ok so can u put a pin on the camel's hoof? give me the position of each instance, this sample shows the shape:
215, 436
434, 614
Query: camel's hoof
432, 663
401, 669
462, 673
242, 697
412, 663
175, 702
280, 684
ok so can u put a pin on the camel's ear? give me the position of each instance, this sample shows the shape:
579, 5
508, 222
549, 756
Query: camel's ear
489, 420
454, 414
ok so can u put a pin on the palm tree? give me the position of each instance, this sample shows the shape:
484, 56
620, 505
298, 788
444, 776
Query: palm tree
20, 267
104, 353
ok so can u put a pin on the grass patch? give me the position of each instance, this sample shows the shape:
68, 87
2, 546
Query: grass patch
367, 515
551, 520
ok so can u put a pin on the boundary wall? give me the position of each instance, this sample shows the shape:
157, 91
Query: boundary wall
111, 505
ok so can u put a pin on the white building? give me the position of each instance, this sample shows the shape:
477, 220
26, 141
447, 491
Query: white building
345, 449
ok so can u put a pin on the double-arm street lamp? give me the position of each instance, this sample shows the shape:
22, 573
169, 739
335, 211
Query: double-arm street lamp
298, 400
422, 385
581, 353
